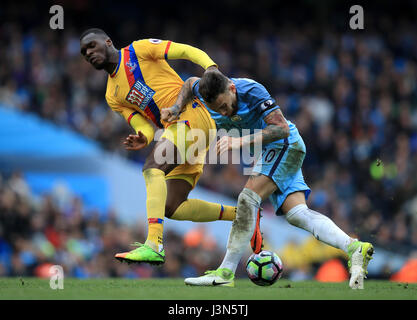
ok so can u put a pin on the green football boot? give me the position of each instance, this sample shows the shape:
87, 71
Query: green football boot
143, 253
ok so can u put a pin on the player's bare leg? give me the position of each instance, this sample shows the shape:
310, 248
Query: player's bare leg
360, 253
178, 191
179, 207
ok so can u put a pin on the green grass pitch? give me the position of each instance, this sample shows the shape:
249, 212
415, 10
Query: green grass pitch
174, 289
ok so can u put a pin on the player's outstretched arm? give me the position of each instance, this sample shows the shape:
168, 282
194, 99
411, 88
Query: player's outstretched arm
177, 50
185, 96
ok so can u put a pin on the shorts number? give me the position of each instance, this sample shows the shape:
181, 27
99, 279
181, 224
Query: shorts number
270, 155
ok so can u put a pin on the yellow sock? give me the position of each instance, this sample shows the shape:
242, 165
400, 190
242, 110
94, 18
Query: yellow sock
202, 211
156, 195
155, 232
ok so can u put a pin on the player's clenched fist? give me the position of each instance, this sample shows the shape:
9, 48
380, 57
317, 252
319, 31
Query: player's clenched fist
171, 113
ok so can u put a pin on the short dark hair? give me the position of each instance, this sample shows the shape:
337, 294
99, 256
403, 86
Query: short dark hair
93, 30
212, 83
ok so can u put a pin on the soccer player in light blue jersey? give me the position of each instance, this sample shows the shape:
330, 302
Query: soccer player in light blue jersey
246, 104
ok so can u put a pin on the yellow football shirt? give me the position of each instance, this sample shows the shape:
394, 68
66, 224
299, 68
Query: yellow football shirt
144, 82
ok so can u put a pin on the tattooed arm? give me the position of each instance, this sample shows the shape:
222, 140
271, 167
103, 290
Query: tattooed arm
276, 129
185, 96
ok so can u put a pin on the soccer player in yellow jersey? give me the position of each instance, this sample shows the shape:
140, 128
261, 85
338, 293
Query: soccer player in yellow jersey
140, 84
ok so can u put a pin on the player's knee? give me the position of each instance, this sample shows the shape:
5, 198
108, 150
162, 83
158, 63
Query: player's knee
248, 202
149, 164
170, 208
297, 215
247, 198
152, 164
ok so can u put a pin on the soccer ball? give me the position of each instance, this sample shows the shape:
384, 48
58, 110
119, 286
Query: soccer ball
264, 268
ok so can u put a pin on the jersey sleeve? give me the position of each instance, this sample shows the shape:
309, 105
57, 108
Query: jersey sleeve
134, 119
261, 101
163, 49
184, 51
150, 49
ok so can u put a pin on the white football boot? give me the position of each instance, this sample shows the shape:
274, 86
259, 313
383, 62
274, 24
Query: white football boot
221, 277
360, 253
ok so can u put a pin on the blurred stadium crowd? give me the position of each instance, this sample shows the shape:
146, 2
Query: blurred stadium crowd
352, 95
38, 232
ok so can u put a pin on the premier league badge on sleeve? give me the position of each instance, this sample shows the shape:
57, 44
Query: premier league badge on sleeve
155, 41
266, 105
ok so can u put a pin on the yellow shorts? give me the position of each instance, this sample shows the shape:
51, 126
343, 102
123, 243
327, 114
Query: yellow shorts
192, 135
